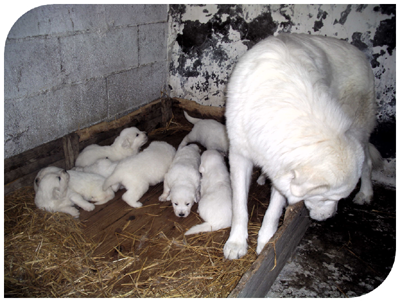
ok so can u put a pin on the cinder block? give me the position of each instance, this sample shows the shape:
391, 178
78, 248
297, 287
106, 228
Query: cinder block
134, 88
122, 15
30, 122
152, 43
85, 56
31, 66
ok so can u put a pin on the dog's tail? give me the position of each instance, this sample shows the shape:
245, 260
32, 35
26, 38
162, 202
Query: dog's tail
111, 181
377, 161
204, 227
193, 120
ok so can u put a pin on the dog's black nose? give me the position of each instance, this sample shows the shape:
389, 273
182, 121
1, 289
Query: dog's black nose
181, 214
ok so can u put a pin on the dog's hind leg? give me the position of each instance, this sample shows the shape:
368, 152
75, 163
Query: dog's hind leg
366, 192
241, 169
271, 219
132, 196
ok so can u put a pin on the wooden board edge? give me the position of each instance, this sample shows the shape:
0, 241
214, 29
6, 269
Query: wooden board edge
259, 278
203, 111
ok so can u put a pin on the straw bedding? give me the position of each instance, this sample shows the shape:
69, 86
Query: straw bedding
48, 255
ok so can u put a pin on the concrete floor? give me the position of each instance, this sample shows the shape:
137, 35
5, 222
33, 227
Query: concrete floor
348, 255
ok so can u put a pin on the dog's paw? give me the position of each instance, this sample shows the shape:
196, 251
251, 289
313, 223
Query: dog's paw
162, 198
261, 180
136, 204
361, 198
260, 245
89, 207
234, 249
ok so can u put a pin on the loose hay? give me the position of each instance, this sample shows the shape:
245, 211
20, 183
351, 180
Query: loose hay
48, 255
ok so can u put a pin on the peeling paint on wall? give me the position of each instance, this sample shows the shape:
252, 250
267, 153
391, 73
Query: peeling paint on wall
206, 41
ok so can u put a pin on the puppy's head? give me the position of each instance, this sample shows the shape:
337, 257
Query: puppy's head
131, 138
52, 187
210, 158
182, 200
42, 173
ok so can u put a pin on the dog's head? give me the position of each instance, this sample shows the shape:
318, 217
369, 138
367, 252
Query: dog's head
42, 173
52, 188
182, 200
210, 158
324, 182
131, 138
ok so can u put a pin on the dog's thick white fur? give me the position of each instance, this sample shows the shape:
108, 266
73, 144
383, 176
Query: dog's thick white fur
215, 205
182, 181
42, 173
54, 195
137, 173
302, 107
126, 144
209, 133
90, 186
103, 167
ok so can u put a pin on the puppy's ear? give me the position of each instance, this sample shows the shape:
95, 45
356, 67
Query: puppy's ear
201, 169
126, 143
306, 182
197, 195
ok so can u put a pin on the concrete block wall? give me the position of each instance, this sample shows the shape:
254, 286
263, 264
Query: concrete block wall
68, 67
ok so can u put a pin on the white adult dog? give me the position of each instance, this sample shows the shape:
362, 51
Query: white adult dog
137, 173
103, 167
126, 144
182, 181
209, 133
302, 107
215, 205
54, 195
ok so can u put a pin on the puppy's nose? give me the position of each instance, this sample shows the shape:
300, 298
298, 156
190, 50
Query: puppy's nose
181, 214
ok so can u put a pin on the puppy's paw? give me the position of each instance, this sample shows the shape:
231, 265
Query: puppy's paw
361, 198
163, 197
89, 207
261, 180
136, 204
235, 249
73, 211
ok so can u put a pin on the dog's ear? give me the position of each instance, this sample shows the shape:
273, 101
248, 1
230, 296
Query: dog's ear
126, 143
304, 183
197, 195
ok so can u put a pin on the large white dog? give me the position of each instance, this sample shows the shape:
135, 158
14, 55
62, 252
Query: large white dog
126, 144
182, 181
215, 205
209, 133
302, 107
137, 173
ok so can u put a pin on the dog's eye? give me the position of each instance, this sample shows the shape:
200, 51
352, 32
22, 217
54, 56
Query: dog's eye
175, 204
187, 204
137, 134
59, 178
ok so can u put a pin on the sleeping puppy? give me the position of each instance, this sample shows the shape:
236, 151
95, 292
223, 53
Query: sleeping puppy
126, 144
103, 167
42, 173
90, 186
215, 205
209, 133
182, 181
302, 107
54, 195
137, 173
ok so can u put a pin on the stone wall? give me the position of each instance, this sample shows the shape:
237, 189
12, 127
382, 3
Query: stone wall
68, 67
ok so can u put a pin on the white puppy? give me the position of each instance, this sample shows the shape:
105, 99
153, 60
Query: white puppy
126, 144
302, 107
209, 133
182, 181
215, 205
137, 173
103, 167
54, 195
90, 186
42, 173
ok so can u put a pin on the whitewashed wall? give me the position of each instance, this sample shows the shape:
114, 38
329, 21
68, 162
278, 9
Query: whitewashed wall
205, 42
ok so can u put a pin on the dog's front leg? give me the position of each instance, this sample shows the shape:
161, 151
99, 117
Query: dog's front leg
271, 219
164, 196
241, 168
365, 194
81, 202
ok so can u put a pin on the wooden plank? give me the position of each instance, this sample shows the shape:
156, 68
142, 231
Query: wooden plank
257, 281
71, 149
217, 113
